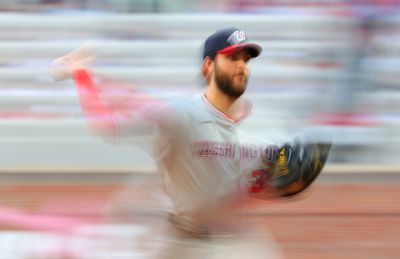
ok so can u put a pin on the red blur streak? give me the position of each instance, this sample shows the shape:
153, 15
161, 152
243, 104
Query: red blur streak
343, 119
93, 107
315, 64
31, 115
63, 213
24, 220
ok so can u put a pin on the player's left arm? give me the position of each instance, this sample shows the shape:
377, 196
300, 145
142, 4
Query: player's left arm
294, 169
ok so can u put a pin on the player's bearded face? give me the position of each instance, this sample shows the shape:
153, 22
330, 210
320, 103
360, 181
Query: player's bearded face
231, 82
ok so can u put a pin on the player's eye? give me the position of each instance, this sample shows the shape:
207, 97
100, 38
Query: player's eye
233, 57
238, 56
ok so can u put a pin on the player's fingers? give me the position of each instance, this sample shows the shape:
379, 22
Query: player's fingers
85, 53
62, 68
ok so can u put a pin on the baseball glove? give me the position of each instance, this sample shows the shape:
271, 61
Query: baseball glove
297, 166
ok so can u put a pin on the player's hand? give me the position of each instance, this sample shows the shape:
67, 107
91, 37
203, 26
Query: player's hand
63, 67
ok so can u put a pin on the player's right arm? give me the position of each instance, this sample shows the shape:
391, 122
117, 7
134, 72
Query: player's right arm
100, 117
111, 113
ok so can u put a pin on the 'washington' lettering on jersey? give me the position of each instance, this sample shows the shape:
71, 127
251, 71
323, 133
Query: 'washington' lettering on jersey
228, 150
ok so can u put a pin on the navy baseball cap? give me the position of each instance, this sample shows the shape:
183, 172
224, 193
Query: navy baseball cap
228, 40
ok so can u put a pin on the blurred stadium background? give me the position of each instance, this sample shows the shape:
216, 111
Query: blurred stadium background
331, 63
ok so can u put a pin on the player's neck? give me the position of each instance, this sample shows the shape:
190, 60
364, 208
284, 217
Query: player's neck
220, 100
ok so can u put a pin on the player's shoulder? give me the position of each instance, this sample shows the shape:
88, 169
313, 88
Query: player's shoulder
189, 105
185, 109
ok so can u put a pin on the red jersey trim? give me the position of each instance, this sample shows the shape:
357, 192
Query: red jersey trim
246, 113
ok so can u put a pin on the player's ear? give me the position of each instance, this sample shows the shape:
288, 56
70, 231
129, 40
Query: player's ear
207, 68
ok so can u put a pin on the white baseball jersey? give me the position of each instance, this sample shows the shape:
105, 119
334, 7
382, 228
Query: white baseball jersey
203, 158
207, 161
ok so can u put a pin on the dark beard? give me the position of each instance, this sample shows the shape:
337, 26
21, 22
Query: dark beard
225, 84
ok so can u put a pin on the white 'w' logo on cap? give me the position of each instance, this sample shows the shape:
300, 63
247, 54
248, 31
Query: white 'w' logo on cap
237, 37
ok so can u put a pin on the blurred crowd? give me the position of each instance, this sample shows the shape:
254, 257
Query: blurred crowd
338, 6
333, 63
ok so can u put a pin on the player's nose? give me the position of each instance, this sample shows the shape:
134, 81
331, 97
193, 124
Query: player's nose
242, 66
